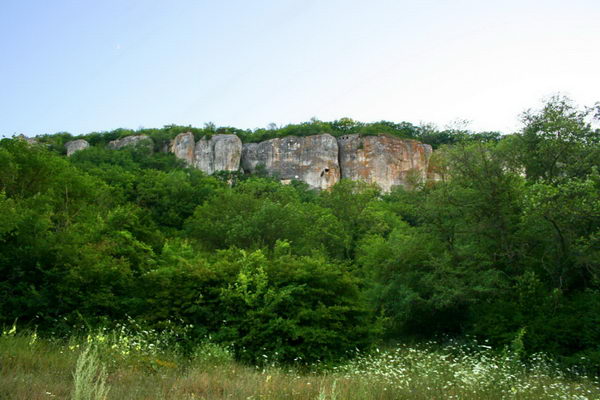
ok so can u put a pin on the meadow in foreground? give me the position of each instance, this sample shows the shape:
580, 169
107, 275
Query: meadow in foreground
146, 365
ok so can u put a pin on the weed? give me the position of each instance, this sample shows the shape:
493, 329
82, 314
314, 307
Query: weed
89, 378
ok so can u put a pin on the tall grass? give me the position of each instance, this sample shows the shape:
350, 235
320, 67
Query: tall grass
89, 378
146, 365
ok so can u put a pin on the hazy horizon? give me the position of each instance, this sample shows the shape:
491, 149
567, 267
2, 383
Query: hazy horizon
85, 66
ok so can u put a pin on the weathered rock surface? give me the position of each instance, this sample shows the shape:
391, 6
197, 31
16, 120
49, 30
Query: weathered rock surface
76, 145
319, 160
311, 159
183, 147
134, 140
219, 153
383, 160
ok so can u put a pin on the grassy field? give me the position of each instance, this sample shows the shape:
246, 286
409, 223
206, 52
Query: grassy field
121, 365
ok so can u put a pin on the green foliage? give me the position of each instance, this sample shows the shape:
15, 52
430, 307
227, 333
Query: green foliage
350, 201
172, 197
504, 246
558, 141
347, 126
437, 138
183, 287
563, 221
258, 212
293, 309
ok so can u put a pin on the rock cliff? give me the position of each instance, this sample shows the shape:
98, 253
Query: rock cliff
311, 159
319, 160
219, 153
76, 145
183, 147
383, 160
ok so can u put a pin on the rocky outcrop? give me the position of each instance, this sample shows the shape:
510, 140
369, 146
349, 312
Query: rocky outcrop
384, 160
319, 160
311, 159
76, 145
210, 155
183, 147
134, 140
219, 153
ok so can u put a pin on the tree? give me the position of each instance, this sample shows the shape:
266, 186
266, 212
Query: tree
561, 223
558, 141
293, 309
171, 197
259, 212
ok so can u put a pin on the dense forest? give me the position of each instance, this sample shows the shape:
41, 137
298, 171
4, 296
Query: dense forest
505, 247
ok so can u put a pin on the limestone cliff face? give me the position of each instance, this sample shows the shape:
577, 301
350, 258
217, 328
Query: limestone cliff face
219, 153
383, 160
311, 159
134, 140
319, 160
76, 145
183, 147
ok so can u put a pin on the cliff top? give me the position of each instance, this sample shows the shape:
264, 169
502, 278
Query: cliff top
162, 136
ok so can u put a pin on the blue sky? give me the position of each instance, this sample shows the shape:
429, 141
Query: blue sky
82, 66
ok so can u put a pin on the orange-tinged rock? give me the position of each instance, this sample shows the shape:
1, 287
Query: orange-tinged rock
183, 147
384, 160
310, 159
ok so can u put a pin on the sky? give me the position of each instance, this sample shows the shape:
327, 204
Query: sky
84, 66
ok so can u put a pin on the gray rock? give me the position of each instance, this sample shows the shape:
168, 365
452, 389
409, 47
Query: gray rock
135, 140
228, 152
318, 160
219, 153
183, 147
384, 160
311, 159
76, 145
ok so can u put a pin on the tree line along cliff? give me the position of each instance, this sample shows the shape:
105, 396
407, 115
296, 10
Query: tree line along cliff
506, 250
318, 160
